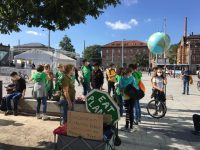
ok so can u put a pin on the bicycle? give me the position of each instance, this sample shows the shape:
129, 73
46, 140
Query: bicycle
156, 108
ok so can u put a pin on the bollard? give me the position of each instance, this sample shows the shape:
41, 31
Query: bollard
1, 90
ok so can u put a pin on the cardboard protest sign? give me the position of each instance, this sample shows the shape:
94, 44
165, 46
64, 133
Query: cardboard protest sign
100, 102
86, 125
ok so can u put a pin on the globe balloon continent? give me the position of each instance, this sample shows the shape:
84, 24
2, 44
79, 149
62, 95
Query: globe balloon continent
158, 42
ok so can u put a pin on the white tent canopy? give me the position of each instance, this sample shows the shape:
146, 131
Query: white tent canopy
45, 57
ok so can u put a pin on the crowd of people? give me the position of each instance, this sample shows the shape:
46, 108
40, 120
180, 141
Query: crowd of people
61, 87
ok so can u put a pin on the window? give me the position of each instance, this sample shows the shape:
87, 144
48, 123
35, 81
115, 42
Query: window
107, 51
119, 50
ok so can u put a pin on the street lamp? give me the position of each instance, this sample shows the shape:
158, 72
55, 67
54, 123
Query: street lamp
123, 52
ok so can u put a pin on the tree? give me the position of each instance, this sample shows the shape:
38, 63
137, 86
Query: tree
66, 45
142, 59
49, 14
172, 53
93, 53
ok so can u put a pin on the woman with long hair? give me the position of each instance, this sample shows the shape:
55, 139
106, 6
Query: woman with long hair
67, 92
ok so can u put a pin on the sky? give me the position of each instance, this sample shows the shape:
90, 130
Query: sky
132, 20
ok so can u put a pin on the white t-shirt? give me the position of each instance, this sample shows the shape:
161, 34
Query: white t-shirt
159, 82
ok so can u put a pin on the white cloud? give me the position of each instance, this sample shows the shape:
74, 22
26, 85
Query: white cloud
129, 2
34, 33
147, 20
118, 25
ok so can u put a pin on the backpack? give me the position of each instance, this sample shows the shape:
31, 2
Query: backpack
133, 93
3, 104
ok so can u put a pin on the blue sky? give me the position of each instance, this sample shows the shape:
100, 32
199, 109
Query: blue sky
132, 20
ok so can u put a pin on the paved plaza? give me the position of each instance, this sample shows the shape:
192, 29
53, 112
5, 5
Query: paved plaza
173, 132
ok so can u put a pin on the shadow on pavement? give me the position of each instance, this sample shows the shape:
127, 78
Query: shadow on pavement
42, 145
9, 122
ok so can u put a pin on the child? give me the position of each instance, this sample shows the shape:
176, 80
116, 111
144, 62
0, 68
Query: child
117, 90
158, 82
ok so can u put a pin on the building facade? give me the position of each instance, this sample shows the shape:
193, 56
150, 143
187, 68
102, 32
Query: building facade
189, 50
112, 52
4, 55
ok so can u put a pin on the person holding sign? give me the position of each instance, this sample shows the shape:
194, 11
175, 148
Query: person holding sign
67, 92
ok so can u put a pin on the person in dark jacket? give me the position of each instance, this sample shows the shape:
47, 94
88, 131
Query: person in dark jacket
97, 77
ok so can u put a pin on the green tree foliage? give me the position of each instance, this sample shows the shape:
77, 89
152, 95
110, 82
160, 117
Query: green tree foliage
93, 53
66, 45
49, 14
172, 53
142, 59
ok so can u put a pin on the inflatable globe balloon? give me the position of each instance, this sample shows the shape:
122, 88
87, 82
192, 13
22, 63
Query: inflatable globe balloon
158, 43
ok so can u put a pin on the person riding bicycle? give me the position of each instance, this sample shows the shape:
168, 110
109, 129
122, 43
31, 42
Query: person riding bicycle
158, 82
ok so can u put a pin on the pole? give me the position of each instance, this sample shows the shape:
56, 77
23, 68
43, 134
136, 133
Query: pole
189, 57
123, 53
1, 89
112, 55
165, 87
84, 50
49, 41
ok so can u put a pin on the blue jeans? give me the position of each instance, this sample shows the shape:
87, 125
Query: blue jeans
44, 103
186, 85
15, 97
86, 88
137, 111
64, 109
120, 104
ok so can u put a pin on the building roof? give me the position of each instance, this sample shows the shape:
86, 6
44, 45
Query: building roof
126, 44
193, 36
31, 45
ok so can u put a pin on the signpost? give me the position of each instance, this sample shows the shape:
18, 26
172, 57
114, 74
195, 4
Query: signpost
100, 102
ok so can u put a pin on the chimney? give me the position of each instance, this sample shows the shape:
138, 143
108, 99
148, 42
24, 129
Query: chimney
185, 27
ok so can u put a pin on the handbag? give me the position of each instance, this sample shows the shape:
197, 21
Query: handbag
133, 93
191, 80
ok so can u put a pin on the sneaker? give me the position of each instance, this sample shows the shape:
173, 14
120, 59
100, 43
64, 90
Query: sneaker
124, 129
15, 113
45, 117
38, 116
9, 112
183, 93
188, 94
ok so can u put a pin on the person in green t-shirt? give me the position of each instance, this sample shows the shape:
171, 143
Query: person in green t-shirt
138, 76
117, 90
40, 91
59, 77
86, 70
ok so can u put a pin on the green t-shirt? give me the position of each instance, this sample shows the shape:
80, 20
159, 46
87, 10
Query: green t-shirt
68, 81
117, 78
86, 72
138, 76
59, 77
40, 77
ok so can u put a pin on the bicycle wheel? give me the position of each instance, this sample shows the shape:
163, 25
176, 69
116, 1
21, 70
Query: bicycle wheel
156, 109
198, 85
